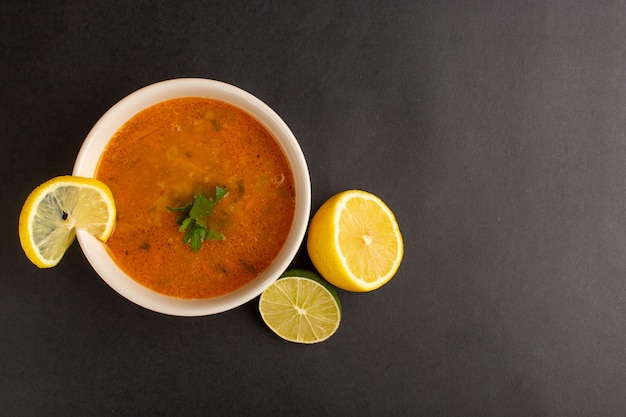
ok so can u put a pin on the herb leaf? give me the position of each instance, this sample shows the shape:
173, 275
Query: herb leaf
193, 219
202, 206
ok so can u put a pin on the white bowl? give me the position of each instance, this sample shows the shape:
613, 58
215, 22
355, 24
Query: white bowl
112, 120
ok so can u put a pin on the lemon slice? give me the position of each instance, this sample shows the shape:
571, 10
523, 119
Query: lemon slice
301, 307
55, 209
354, 241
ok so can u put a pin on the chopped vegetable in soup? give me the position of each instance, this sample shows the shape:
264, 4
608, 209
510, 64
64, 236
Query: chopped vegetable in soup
156, 165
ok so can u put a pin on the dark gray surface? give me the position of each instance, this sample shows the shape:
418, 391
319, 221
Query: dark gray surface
493, 129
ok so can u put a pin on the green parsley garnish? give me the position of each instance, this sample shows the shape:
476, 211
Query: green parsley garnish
193, 219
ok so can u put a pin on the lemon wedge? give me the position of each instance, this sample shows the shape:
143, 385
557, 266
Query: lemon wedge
55, 209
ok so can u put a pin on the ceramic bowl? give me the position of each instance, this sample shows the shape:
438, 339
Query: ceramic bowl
95, 143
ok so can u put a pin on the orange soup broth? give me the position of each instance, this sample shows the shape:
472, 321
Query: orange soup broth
165, 155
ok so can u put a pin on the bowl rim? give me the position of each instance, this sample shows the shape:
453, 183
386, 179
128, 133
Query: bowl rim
86, 164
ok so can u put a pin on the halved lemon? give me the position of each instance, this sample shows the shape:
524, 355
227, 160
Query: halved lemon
354, 241
301, 307
55, 209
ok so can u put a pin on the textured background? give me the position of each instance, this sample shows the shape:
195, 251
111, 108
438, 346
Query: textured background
493, 129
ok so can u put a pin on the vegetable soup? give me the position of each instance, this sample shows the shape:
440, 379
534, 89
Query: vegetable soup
160, 161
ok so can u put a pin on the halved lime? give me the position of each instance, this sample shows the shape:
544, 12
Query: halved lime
301, 307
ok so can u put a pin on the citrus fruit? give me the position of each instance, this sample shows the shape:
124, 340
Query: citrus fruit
55, 209
354, 241
301, 307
